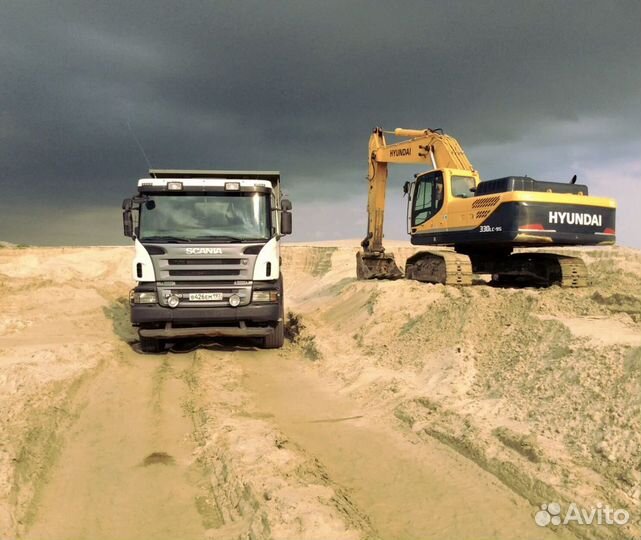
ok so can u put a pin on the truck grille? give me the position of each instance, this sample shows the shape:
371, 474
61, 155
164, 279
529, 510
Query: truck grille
202, 262
205, 272
231, 264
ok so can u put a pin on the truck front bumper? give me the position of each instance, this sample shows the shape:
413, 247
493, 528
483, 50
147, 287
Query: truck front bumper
206, 331
164, 323
144, 314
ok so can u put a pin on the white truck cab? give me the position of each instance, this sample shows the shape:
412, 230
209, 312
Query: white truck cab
207, 255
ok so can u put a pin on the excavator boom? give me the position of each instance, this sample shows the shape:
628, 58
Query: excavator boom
431, 147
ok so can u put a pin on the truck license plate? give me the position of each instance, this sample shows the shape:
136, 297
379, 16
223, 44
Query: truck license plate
205, 297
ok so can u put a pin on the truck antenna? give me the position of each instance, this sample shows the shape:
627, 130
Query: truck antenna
142, 150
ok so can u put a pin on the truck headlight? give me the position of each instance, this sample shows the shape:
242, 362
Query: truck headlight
265, 296
143, 297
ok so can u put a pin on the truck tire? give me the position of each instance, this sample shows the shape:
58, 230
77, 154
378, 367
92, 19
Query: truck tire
151, 345
276, 339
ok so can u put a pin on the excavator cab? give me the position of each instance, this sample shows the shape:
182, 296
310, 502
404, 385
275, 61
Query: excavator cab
432, 194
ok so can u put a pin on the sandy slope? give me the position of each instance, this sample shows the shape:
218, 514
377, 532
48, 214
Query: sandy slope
400, 410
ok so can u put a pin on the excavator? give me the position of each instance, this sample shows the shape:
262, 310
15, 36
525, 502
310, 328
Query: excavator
478, 224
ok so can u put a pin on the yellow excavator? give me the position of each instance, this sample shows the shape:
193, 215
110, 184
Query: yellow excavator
479, 222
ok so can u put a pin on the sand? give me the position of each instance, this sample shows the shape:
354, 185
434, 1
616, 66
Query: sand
397, 410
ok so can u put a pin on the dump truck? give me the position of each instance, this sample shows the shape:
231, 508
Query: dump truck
207, 255
478, 224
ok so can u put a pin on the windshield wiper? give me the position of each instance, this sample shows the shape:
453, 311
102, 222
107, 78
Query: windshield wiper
229, 239
168, 239
218, 238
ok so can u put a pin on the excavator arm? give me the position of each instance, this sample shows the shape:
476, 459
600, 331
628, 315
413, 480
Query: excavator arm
430, 147
423, 146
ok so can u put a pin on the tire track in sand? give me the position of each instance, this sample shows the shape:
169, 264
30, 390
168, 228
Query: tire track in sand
126, 470
408, 491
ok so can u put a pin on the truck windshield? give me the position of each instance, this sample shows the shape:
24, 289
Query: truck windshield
208, 217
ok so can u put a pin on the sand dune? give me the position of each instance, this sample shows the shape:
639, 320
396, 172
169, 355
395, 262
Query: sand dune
397, 409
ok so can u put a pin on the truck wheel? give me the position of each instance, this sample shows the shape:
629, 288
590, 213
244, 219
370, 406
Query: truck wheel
276, 339
151, 345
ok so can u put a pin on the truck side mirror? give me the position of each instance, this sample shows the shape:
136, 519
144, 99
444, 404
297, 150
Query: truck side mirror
286, 205
127, 218
286, 222
128, 224
406, 188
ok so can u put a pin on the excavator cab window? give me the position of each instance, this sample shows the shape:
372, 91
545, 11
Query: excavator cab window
462, 186
428, 197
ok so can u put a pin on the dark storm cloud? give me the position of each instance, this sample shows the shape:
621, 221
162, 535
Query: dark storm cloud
296, 86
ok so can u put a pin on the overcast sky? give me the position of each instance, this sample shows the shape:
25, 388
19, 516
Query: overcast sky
544, 88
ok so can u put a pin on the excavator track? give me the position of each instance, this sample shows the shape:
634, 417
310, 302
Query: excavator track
445, 267
574, 273
542, 270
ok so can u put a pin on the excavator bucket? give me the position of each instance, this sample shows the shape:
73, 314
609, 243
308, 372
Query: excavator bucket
377, 267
